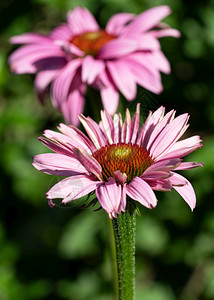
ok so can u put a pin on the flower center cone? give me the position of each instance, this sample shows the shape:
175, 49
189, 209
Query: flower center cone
130, 160
91, 42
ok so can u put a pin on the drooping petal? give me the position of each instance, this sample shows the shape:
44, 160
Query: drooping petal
42, 80
186, 191
50, 134
30, 38
177, 180
183, 147
122, 206
108, 126
54, 63
169, 135
158, 129
149, 125
117, 48
82, 140
62, 84
23, 59
61, 32
163, 185
110, 93
189, 165
94, 131
166, 32
89, 162
117, 128
146, 77
33, 52
109, 195
64, 187
65, 141
145, 42
81, 20
55, 146
148, 43
135, 124
163, 165
118, 22
147, 20
123, 78
74, 188
73, 107
58, 164
156, 175
126, 128
140, 191
154, 61
161, 61
91, 68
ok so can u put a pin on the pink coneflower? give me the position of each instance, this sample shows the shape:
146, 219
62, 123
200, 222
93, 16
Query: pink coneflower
118, 160
79, 53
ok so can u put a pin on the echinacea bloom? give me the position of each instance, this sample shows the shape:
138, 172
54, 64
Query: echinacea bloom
118, 159
79, 53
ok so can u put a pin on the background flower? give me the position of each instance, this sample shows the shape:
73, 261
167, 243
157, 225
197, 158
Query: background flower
119, 160
80, 53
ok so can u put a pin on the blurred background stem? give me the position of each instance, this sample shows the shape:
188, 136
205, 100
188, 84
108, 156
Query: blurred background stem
95, 104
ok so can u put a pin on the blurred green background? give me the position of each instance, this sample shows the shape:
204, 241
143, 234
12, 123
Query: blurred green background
63, 254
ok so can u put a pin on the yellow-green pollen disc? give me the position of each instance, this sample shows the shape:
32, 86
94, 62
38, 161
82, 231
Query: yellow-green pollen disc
130, 159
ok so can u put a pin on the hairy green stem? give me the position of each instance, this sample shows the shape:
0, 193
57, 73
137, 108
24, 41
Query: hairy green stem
124, 234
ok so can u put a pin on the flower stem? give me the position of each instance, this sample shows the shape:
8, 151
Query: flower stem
124, 234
